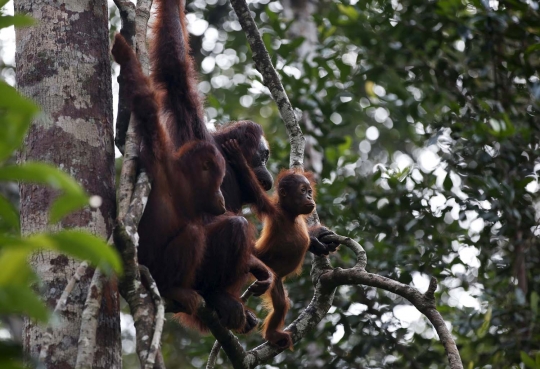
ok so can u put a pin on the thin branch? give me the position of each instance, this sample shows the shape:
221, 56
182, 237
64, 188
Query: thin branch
228, 340
263, 63
147, 317
62, 301
424, 302
146, 308
89, 322
361, 257
61, 305
214, 353
159, 320
324, 277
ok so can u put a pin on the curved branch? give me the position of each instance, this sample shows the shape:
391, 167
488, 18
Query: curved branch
424, 302
263, 63
228, 340
361, 257
324, 277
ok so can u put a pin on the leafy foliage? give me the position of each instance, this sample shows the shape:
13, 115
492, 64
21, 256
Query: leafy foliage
424, 132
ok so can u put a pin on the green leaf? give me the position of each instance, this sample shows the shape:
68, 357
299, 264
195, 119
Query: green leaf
73, 197
12, 100
79, 244
16, 113
14, 267
527, 360
531, 49
22, 300
3, 2
17, 20
348, 10
9, 214
65, 205
87, 247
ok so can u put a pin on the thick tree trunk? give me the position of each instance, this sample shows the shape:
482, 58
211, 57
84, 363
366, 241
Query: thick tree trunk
63, 64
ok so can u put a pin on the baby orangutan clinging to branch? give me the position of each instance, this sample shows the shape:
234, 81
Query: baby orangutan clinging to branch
285, 237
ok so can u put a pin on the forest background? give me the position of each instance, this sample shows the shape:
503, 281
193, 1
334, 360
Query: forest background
421, 121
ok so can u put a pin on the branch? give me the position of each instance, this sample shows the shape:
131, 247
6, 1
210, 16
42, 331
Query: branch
424, 302
324, 277
89, 322
160, 317
263, 63
61, 305
148, 319
214, 353
228, 340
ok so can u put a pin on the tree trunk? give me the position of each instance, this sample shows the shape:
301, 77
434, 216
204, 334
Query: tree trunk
63, 64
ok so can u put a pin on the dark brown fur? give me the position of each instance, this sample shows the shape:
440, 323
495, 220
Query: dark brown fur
229, 254
185, 185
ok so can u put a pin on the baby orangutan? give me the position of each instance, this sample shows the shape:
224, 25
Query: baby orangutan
285, 237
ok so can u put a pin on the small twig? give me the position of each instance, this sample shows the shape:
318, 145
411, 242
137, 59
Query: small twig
89, 322
159, 319
263, 63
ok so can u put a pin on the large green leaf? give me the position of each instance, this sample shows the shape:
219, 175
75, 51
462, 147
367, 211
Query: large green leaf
75, 243
87, 247
17, 20
528, 361
16, 114
73, 196
22, 300
14, 268
8, 214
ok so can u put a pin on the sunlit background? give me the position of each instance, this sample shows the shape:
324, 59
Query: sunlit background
421, 124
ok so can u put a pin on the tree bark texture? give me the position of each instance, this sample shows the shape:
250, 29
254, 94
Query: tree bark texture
63, 64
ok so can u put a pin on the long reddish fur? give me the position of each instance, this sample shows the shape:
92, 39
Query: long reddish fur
172, 233
229, 238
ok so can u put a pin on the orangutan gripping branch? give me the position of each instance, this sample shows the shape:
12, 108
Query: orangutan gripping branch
285, 237
186, 185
